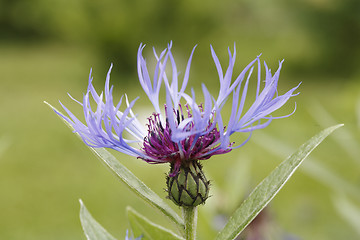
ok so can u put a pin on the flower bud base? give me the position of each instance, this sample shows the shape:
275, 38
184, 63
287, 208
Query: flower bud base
189, 187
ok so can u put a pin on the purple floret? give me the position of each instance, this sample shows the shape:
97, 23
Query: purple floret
183, 130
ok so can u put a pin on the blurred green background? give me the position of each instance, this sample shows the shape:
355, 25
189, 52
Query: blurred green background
47, 48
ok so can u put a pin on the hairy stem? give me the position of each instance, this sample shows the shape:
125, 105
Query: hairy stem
190, 219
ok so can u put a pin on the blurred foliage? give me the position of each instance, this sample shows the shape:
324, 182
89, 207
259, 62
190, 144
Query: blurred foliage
329, 29
335, 28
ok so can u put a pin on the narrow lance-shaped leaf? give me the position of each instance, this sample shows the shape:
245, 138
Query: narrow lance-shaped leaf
92, 229
313, 167
142, 226
135, 184
269, 187
324, 118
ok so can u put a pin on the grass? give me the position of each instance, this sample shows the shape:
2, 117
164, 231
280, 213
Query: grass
45, 169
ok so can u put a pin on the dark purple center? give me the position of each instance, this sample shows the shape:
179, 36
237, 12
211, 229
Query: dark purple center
159, 146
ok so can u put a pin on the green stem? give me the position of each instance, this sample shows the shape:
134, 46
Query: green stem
190, 219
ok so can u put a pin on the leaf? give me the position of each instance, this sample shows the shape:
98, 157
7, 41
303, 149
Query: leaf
92, 229
142, 226
135, 184
313, 167
269, 187
324, 118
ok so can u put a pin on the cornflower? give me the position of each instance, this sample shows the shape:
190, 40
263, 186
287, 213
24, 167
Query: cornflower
185, 132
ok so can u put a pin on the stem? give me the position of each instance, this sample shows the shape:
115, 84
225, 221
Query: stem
190, 219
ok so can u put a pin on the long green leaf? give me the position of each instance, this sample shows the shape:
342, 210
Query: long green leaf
142, 226
269, 187
92, 229
324, 118
313, 167
135, 184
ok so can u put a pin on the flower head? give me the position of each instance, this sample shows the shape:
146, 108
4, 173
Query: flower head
182, 131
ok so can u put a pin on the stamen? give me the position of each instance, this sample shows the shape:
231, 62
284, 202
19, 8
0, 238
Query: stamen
159, 146
178, 116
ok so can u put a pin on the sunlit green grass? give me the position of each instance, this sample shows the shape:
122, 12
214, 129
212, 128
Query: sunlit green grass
45, 169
